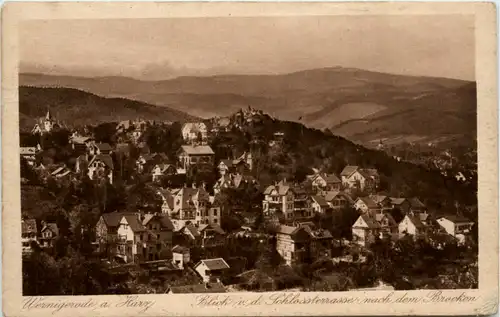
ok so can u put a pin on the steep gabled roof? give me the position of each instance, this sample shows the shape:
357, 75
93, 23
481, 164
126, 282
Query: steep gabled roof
378, 198
369, 202
369, 172
134, 222
329, 178
348, 170
227, 162
52, 227
320, 200
416, 203
239, 179
330, 195
280, 188
192, 229
213, 226
179, 249
417, 221
167, 197
105, 158
113, 219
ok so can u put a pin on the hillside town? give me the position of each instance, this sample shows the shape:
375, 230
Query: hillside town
169, 207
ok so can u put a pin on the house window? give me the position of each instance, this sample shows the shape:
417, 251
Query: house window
158, 236
215, 212
178, 202
215, 220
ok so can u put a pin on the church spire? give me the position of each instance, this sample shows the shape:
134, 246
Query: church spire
48, 116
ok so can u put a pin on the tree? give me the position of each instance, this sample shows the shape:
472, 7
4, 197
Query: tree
143, 197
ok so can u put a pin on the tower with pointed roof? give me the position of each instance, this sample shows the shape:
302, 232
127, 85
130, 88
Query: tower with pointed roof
48, 123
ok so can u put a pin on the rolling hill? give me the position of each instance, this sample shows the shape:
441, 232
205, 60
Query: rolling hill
75, 107
361, 105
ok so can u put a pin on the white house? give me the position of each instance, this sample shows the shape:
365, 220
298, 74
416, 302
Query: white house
196, 155
318, 204
101, 166
357, 178
337, 199
366, 204
415, 225
326, 182
210, 270
144, 237
456, 226
49, 232
162, 170
192, 131
28, 234
180, 256
28, 153
371, 225
279, 199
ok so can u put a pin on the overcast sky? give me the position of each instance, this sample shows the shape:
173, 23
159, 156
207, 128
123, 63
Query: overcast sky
441, 46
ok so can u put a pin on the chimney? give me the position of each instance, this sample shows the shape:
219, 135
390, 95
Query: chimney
185, 185
203, 185
193, 185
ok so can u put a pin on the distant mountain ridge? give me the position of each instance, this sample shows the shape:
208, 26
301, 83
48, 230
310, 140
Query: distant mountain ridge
363, 106
76, 107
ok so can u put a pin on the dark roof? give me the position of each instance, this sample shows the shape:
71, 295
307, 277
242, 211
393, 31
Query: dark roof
112, 219
416, 203
52, 227
281, 188
167, 197
134, 223
457, 219
192, 229
104, 146
397, 201
105, 158
213, 226
378, 198
417, 221
348, 170
198, 288
330, 195
227, 162
320, 200
215, 264
375, 220
28, 226
330, 178
369, 202
123, 148
164, 220
369, 172
179, 249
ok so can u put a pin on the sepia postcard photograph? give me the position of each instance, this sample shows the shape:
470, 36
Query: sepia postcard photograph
257, 159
